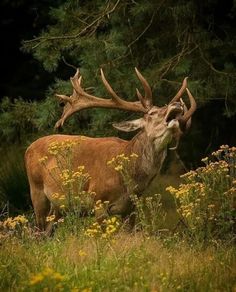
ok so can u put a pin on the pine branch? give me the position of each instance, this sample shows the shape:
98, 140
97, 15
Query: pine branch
171, 63
232, 75
95, 23
143, 32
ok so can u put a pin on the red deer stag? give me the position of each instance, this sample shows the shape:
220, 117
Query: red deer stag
158, 127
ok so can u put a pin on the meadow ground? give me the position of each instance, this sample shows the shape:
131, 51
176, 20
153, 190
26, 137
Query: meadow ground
127, 262
184, 238
72, 260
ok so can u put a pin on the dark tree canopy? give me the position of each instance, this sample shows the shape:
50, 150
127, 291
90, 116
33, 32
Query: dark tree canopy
166, 40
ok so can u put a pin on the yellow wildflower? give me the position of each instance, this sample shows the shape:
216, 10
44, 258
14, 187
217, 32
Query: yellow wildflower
58, 277
134, 155
119, 167
205, 160
43, 159
21, 219
56, 196
224, 147
82, 253
36, 279
50, 218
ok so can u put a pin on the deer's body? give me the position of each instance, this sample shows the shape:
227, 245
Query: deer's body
93, 154
159, 126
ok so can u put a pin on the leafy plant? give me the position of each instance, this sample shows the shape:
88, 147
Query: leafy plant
71, 199
206, 201
148, 213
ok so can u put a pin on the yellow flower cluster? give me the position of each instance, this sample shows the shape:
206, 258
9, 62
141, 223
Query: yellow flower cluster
57, 196
56, 147
95, 230
121, 161
47, 275
69, 176
209, 192
185, 189
192, 197
50, 218
225, 151
111, 226
108, 228
211, 168
43, 159
186, 210
99, 205
125, 166
12, 223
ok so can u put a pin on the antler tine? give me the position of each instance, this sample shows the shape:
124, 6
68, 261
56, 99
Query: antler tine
185, 120
181, 91
147, 99
114, 96
140, 97
118, 100
64, 98
193, 106
76, 81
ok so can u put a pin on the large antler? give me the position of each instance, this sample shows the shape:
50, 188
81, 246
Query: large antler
80, 99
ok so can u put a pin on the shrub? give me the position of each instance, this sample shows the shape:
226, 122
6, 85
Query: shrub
206, 199
148, 210
72, 200
14, 189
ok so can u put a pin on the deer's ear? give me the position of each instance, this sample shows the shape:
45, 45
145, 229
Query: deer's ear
129, 126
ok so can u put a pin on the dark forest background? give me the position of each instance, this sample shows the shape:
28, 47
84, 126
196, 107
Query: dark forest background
43, 41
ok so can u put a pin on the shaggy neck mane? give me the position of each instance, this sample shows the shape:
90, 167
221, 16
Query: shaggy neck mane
149, 161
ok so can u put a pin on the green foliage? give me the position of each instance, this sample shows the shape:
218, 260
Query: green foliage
16, 119
149, 212
14, 188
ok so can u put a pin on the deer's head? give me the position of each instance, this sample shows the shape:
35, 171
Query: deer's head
161, 124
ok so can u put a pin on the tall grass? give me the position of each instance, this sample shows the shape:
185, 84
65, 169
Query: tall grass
128, 263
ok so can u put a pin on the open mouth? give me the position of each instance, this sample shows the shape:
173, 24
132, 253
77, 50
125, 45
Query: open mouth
173, 113
172, 120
